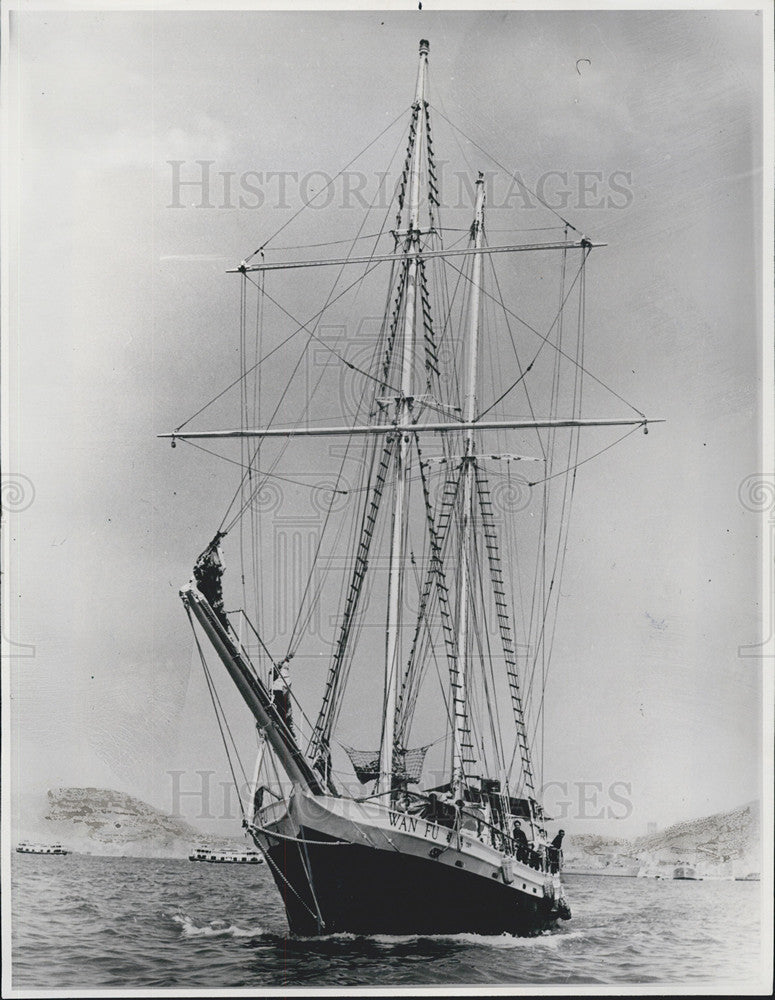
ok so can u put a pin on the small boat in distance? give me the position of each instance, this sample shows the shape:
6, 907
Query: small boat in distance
24, 847
215, 856
750, 877
687, 873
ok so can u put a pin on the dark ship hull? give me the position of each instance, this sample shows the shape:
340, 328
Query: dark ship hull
363, 890
348, 867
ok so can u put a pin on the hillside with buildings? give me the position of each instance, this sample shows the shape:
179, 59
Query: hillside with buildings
726, 843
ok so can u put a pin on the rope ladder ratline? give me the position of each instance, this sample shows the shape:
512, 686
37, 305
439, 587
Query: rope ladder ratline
338, 670
504, 623
435, 574
336, 680
436, 535
409, 688
483, 638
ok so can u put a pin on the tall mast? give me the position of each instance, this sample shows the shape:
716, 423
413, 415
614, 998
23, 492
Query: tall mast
402, 419
463, 740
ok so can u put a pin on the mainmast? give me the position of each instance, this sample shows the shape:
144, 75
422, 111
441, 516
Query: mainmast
463, 739
403, 414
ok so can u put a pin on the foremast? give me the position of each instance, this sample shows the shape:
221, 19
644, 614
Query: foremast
402, 421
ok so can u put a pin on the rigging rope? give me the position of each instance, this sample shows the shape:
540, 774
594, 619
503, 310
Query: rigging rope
297, 624
298, 840
340, 663
216, 706
276, 869
555, 322
328, 243
511, 175
437, 535
329, 301
577, 465
532, 329
335, 177
278, 347
325, 344
334, 682
490, 692
263, 472
373, 491
504, 622
295, 369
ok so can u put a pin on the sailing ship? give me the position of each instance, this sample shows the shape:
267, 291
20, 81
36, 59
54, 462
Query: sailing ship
450, 835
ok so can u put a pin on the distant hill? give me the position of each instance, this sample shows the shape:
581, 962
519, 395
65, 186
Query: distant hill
728, 842
107, 822
728, 836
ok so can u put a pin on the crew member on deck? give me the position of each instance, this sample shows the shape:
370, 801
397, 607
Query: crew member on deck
281, 692
208, 573
555, 852
440, 810
520, 842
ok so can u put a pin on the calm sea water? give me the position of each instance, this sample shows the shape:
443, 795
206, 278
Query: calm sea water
91, 922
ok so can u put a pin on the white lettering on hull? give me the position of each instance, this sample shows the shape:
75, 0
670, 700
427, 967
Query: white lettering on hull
411, 824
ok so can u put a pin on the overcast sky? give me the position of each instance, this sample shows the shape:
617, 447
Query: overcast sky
123, 323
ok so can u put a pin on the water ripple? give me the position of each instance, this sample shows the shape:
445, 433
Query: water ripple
86, 922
